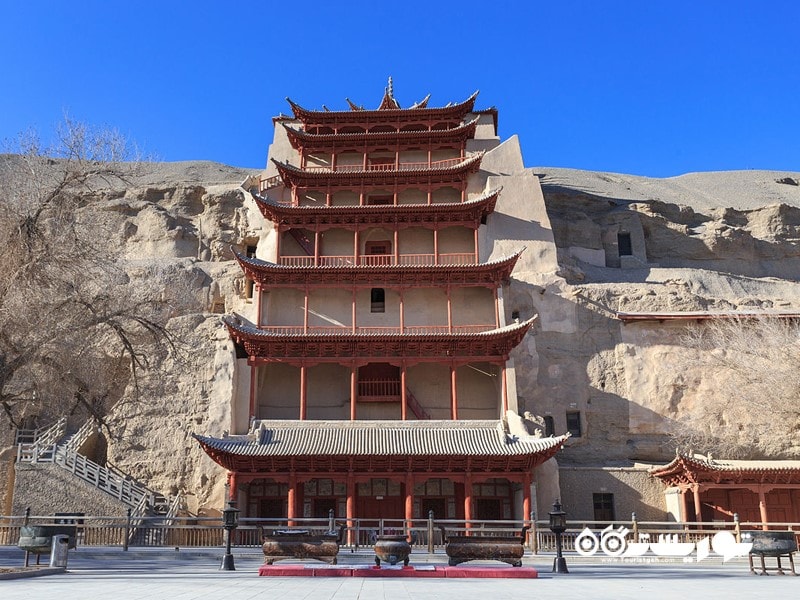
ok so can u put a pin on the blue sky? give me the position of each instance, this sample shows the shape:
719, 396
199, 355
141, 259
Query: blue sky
656, 88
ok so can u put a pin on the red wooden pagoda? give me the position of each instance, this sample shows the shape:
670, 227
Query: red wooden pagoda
378, 345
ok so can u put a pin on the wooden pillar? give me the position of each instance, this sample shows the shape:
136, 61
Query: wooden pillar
316, 248
449, 310
468, 500
477, 253
291, 499
436, 246
402, 311
396, 247
305, 310
351, 508
409, 501
403, 393
684, 505
234, 484
504, 385
353, 391
429, 158
253, 393
279, 235
526, 496
353, 311
303, 391
355, 248
762, 507
453, 393
257, 292
333, 161
698, 513
496, 309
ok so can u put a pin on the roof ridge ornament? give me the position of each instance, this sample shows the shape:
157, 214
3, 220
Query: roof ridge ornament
389, 102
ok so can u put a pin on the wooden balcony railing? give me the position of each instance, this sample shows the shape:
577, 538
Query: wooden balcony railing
417, 260
344, 330
379, 390
403, 166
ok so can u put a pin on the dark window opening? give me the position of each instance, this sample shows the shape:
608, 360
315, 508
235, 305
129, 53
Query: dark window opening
603, 507
250, 251
515, 315
574, 423
483, 220
380, 200
624, 244
549, 426
248, 289
377, 299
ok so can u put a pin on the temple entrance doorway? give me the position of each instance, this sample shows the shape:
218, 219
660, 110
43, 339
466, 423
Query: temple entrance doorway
319, 496
380, 498
492, 500
266, 499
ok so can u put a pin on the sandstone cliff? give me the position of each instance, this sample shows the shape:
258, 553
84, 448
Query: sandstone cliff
701, 241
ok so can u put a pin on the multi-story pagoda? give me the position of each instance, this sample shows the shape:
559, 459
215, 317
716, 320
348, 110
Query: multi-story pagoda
378, 348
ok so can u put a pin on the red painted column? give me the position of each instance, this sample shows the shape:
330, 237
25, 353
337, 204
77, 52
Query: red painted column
449, 310
279, 234
684, 505
356, 258
353, 391
477, 253
402, 311
409, 500
303, 385
762, 507
316, 248
504, 383
453, 393
468, 500
234, 484
698, 514
435, 246
403, 393
353, 310
396, 247
351, 508
291, 499
305, 311
526, 496
257, 292
253, 384
496, 309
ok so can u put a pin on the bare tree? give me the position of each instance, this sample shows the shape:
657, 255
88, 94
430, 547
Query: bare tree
74, 330
754, 409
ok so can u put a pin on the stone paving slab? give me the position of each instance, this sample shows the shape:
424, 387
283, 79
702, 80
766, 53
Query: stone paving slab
160, 575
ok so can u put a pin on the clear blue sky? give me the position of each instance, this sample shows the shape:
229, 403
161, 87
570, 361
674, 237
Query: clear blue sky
653, 88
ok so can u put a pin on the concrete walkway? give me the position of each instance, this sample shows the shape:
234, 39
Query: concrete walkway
187, 574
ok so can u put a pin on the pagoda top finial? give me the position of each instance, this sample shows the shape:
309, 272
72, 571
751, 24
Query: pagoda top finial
388, 102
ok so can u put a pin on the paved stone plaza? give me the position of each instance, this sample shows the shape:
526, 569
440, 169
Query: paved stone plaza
186, 575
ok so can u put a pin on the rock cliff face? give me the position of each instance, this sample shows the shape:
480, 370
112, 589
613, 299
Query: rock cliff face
698, 242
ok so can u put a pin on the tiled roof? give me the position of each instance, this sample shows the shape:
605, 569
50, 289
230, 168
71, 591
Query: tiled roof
385, 208
464, 129
349, 115
381, 438
707, 463
258, 264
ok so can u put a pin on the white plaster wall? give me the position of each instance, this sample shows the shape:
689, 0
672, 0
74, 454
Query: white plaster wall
336, 242
472, 306
456, 240
330, 307
283, 306
425, 306
278, 391
328, 392
415, 240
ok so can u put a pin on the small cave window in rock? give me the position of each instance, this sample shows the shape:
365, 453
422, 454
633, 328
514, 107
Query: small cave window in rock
624, 244
574, 423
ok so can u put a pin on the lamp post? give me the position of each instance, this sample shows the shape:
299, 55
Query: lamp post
230, 521
558, 525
